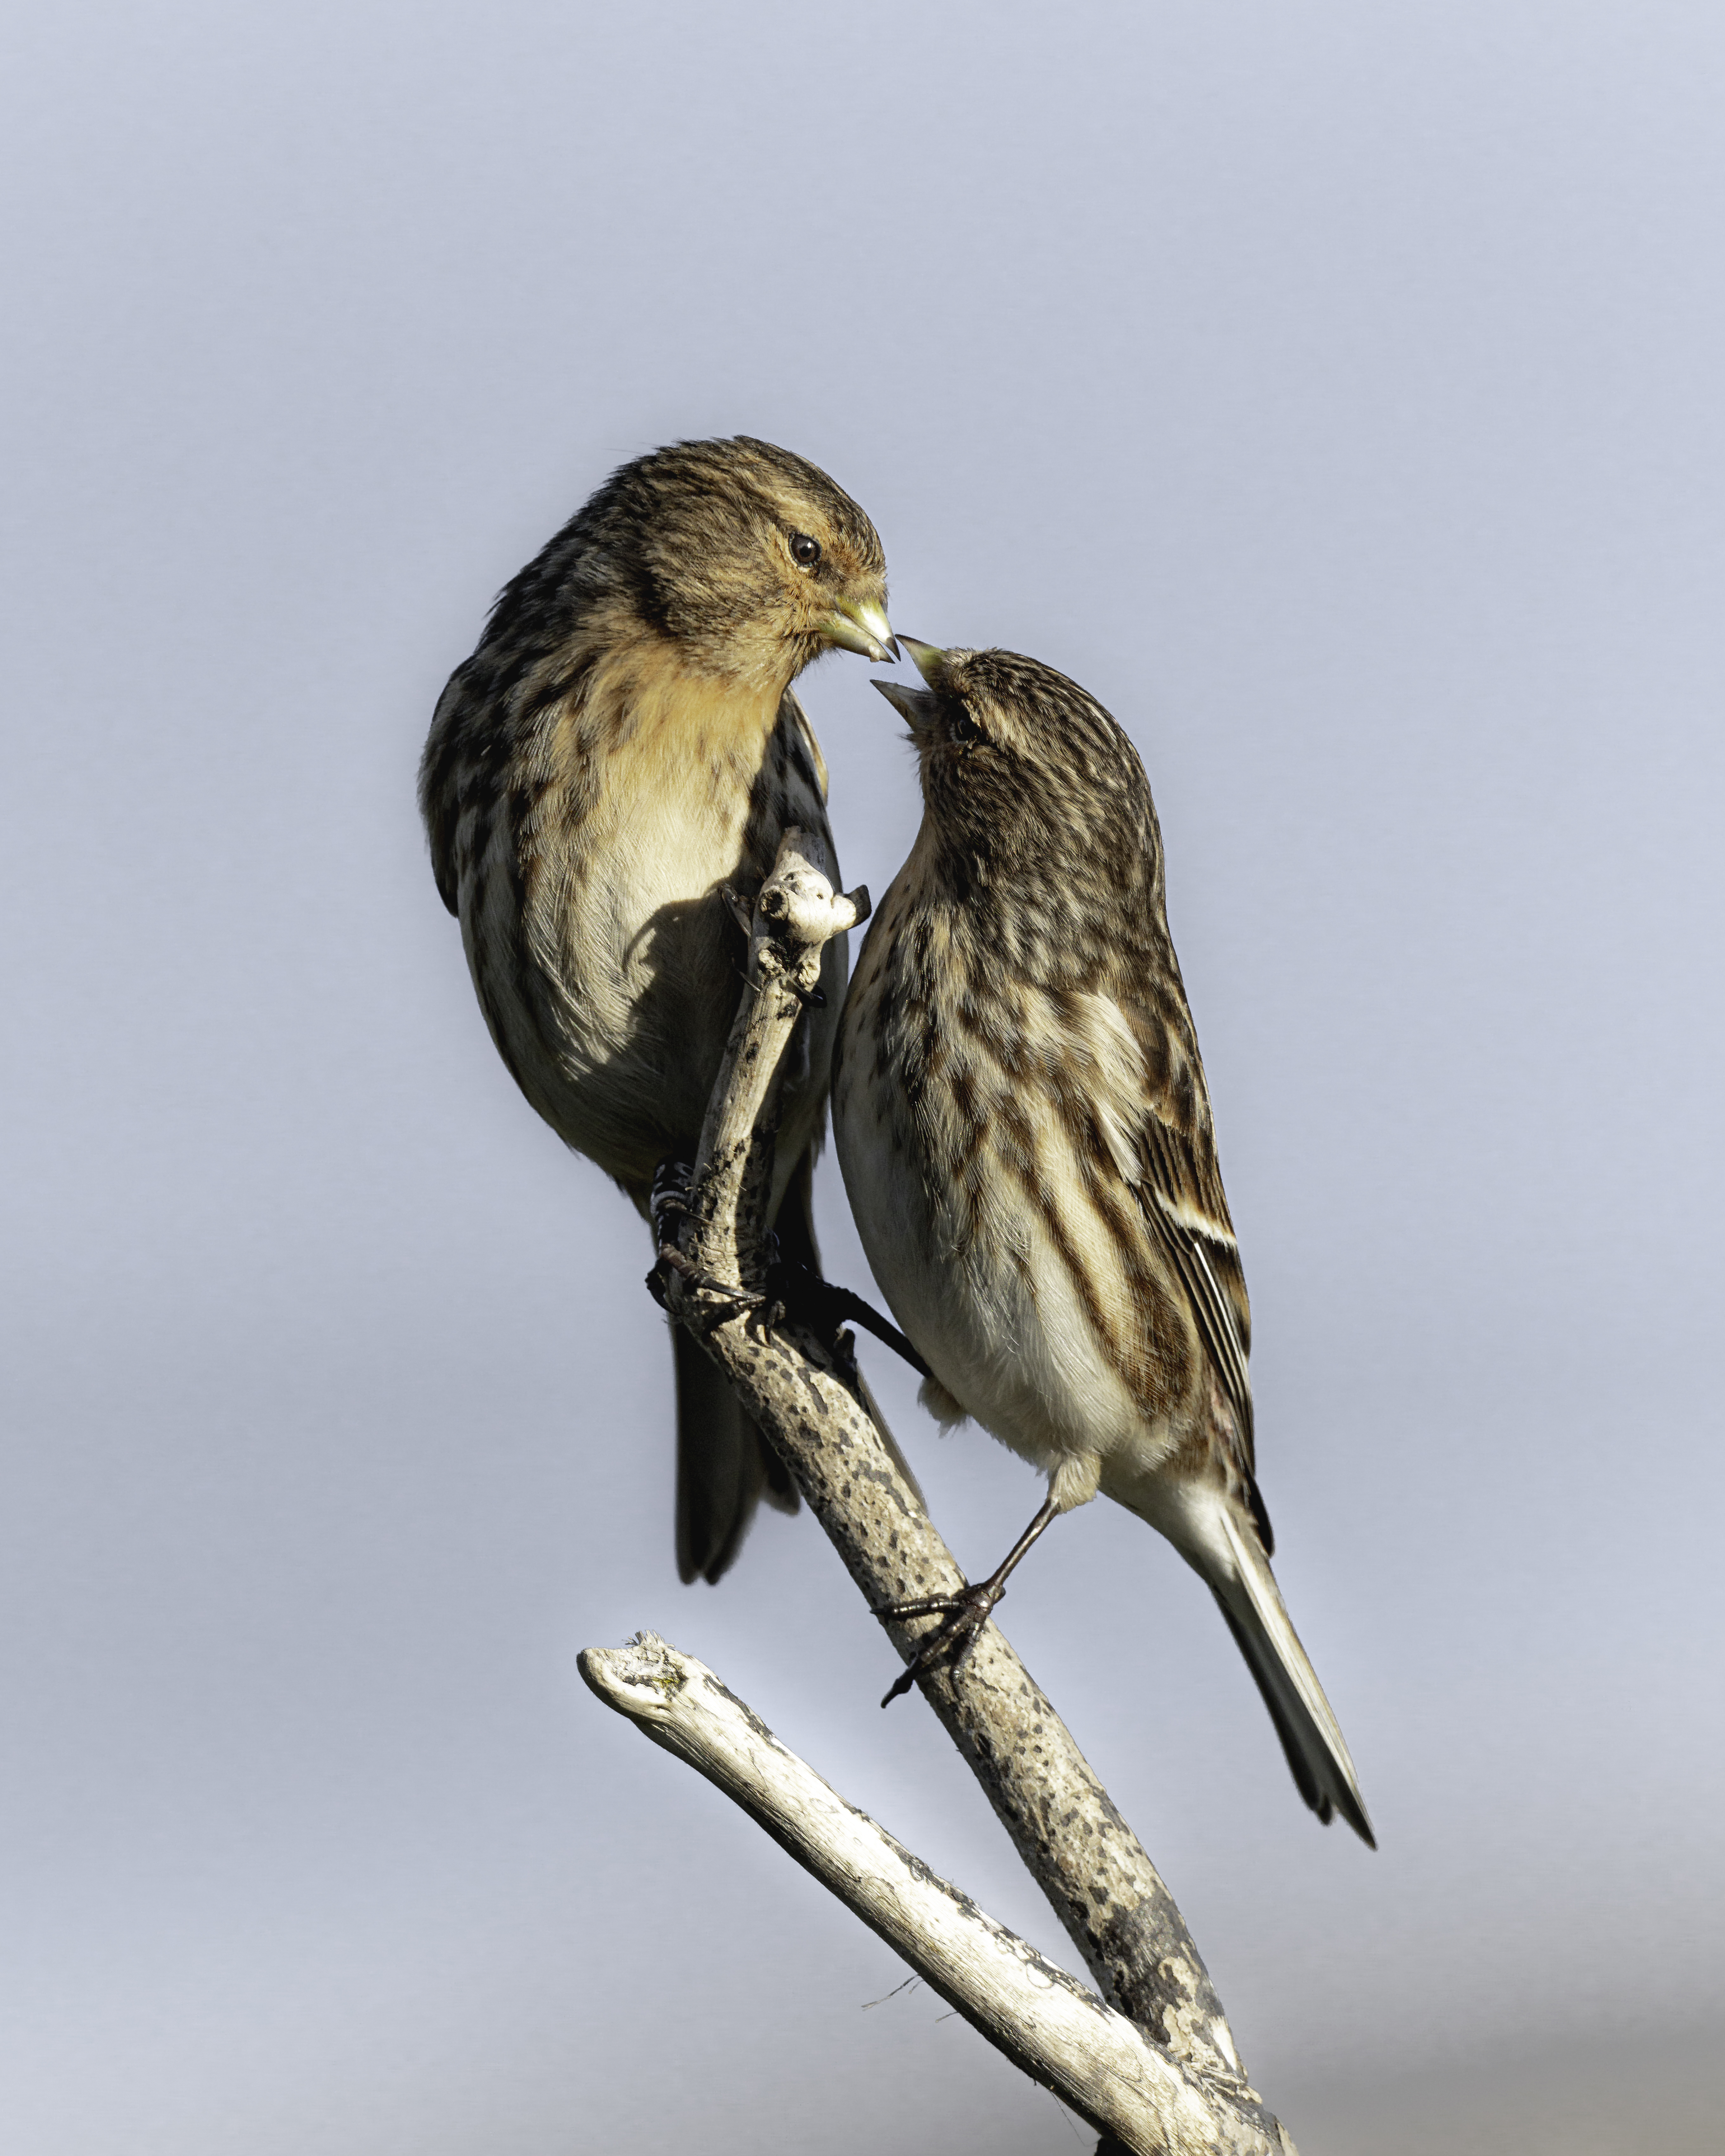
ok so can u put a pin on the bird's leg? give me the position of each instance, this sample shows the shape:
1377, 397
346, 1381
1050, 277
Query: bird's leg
669, 1202
667, 1207
804, 1296
733, 1302
793, 1290
966, 1612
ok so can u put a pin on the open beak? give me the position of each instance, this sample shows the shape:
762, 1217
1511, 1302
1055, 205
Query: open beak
860, 625
915, 706
929, 660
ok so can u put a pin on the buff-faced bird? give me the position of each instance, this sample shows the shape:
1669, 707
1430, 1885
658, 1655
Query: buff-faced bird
623, 744
1020, 1111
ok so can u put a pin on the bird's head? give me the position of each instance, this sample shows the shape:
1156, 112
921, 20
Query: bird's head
1024, 775
748, 558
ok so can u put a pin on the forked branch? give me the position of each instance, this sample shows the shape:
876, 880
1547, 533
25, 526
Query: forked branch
1046, 2022
1103, 1887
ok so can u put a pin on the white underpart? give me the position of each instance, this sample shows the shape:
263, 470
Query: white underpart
992, 1305
996, 1312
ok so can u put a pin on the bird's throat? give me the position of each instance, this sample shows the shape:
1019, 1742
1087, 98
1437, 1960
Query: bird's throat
665, 718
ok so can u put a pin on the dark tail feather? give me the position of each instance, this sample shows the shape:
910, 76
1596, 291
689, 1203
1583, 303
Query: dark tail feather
1305, 1722
722, 1465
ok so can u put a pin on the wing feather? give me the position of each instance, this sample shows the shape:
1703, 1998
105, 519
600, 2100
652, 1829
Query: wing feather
793, 708
439, 794
1156, 1123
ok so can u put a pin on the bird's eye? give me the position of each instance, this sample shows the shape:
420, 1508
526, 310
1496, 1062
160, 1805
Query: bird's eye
964, 727
805, 552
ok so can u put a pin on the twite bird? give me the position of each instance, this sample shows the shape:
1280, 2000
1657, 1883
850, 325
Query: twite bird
1020, 1113
623, 744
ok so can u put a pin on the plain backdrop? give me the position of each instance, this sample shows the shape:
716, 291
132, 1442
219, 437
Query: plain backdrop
1334, 390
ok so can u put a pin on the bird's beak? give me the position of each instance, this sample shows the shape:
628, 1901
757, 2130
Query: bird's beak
861, 625
929, 660
915, 707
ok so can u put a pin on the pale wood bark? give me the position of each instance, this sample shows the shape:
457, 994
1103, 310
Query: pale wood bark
1048, 2024
1102, 1885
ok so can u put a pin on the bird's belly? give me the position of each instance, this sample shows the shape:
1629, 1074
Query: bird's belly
616, 1026
989, 1295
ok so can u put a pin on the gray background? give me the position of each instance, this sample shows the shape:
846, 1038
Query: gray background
1336, 391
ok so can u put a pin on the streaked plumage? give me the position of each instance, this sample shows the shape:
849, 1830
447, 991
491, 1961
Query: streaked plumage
1020, 1111
623, 742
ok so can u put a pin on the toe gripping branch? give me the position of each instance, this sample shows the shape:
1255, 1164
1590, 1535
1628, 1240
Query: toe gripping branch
668, 1208
966, 1612
794, 1292
804, 1296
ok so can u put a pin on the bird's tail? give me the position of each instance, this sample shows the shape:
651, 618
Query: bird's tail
725, 1464
724, 1467
1312, 1737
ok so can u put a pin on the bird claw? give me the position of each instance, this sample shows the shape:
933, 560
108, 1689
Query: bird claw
823, 1307
844, 1362
733, 1302
669, 1205
966, 1614
739, 906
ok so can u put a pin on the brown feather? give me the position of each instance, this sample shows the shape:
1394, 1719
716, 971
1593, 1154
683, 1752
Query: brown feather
622, 745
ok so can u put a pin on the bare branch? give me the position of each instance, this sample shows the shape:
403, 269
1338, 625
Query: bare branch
1064, 1826
1061, 2034
795, 915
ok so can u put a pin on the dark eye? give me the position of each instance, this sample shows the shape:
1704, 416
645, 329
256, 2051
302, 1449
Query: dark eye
964, 727
805, 550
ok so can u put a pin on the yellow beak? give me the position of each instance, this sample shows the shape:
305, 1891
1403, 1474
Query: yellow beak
860, 625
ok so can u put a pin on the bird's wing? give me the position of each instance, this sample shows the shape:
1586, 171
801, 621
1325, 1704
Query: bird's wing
439, 794
793, 710
1156, 1123
1207, 1259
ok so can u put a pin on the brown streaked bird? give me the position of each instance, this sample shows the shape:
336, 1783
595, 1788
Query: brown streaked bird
624, 742
1020, 1112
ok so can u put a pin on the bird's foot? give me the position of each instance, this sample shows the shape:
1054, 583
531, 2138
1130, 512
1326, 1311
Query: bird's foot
721, 1302
668, 1206
966, 1614
844, 1362
805, 1297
